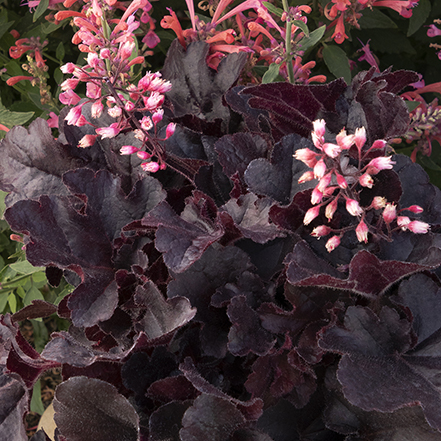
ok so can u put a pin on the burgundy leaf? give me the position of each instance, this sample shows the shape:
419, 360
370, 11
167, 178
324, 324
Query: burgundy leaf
90, 409
375, 371
37, 309
251, 216
161, 316
211, 418
246, 335
165, 422
13, 404
172, 389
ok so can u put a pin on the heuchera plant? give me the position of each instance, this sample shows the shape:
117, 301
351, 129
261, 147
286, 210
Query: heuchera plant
249, 262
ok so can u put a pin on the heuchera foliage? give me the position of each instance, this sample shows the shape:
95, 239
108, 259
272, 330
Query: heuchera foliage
203, 307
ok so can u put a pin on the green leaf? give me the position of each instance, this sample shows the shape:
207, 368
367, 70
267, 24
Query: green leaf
25, 267
32, 294
337, 62
271, 73
41, 9
300, 24
12, 300
427, 162
60, 52
391, 41
273, 9
36, 403
314, 37
412, 105
4, 25
11, 119
3, 195
3, 301
419, 16
375, 19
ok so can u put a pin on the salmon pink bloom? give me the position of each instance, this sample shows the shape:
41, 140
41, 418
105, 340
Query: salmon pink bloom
108, 132
415, 209
344, 141
307, 156
341, 181
151, 166
378, 202
307, 176
403, 221
331, 208
339, 34
128, 150
418, 227
321, 231
362, 232
332, 243
87, 141
316, 196
311, 214
360, 138
170, 130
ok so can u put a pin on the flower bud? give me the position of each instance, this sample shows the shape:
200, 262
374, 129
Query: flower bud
320, 231
311, 214
380, 163
316, 196
403, 221
128, 150
389, 213
379, 144
353, 207
362, 232
143, 155
332, 243
87, 141
151, 167
170, 130
331, 208
307, 176
320, 169
319, 127
341, 181
418, 227
415, 209
366, 180
360, 138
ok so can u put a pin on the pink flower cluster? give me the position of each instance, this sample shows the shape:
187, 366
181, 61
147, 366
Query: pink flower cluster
339, 180
110, 81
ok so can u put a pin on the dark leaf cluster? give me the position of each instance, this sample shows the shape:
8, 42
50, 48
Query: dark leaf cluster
203, 308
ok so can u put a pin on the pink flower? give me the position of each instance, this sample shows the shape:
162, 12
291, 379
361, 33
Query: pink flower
319, 127
324, 182
87, 141
69, 98
93, 90
353, 207
320, 169
389, 213
378, 202
307, 156
331, 208
307, 176
418, 227
157, 116
344, 141
316, 196
74, 115
366, 180
151, 167
433, 31
332, 150
341, 181
320, 231
360, 138
96, 109
311, 214
170, 130
415, 209
332, 243
380, 163
403, 221
143, 155
362, 232
379, 144
401, 6
108, 132
368, 55
146, 123
128, 150
68, 68
69, 84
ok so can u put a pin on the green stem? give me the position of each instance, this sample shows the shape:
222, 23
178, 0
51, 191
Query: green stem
106, 35
288, 57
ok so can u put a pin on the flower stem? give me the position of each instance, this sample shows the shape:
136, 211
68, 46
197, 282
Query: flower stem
288, 59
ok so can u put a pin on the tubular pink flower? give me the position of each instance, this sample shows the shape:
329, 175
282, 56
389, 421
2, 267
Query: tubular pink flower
128, 150
389, 213
316, 196
366, 180
146, 123
69, 84
143, 155
379, 144
341, 181
108, 132
331, 208
153, 101
307, 176
320, 169
68, 68
360, 138
307, 156
418, 227
433, 31
403, 221
87, 141
96, 109
93, 91
344, 141
69, 98
74, 115
332, 150
157, 116
339, 34
170, 130
401, 6
378, 202
380, 163
324, 182
151, 167
362, 232
319, 127
321, 231
415, 209
126, 49
332, 243
311, 214
353, 207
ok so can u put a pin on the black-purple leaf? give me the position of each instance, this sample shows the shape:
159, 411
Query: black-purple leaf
197, 89
161, 316
13, 404
375, 371
90, 409
37, 309
251, 216
211, 418
278, 177
165, 422
367, 275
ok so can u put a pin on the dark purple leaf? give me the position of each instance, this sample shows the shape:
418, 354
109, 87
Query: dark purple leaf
13, 404
293, 108
216, 268
367, 275
238, 150
172, 389
246, 335
211, 418
89, 409
165, 422
251, 216
37, 309
183, 239
161, 316
197, 89
25, 170
375, 371
278, 177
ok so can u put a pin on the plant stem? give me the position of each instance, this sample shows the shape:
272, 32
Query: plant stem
288, 57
